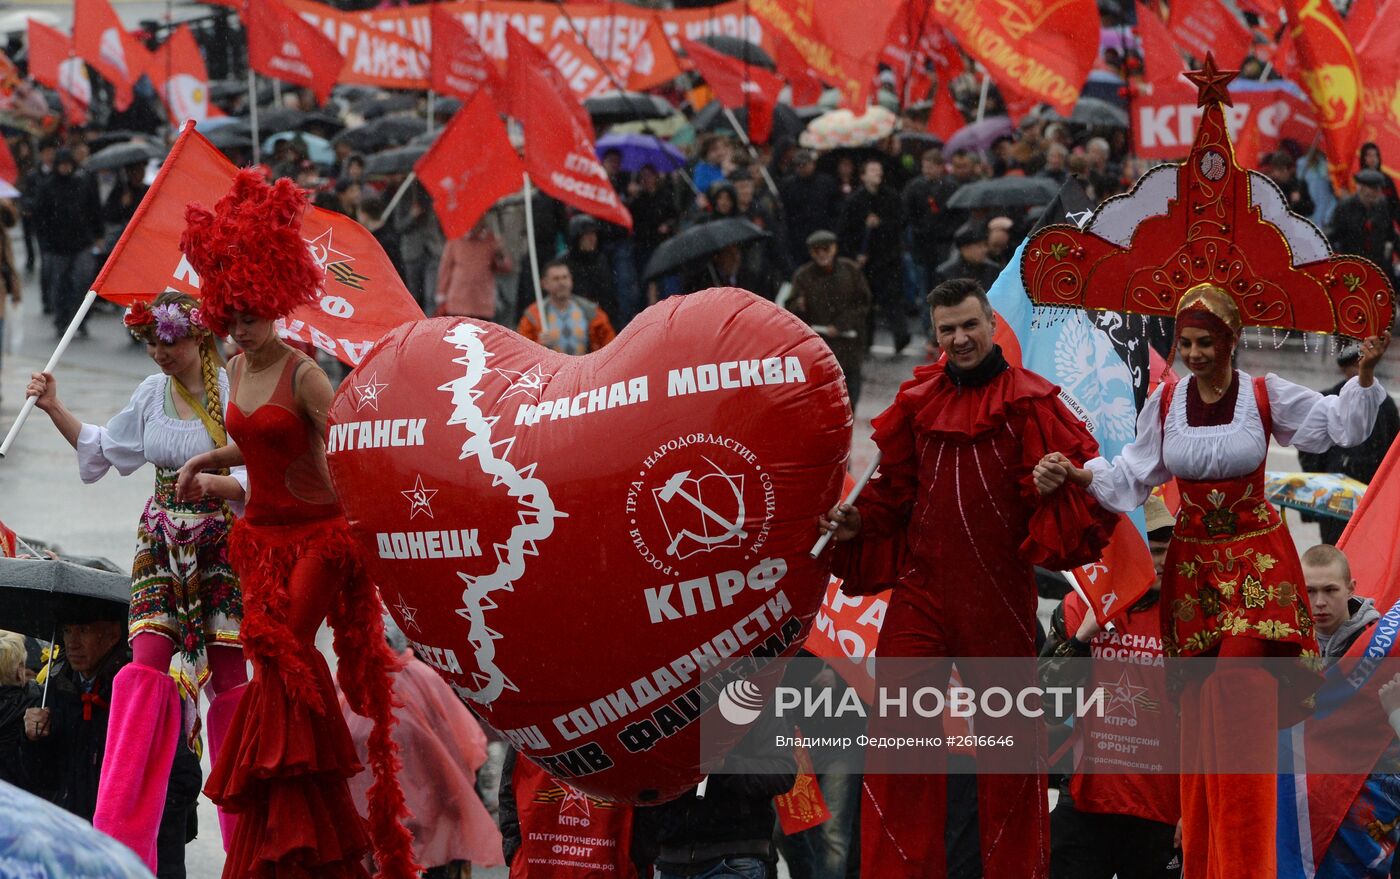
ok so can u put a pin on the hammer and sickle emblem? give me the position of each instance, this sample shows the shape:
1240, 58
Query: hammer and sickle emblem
675, 488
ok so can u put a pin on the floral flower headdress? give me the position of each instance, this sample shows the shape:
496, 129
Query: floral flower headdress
169, 322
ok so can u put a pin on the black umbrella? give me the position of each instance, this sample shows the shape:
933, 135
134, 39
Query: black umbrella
443, 106
736, 47
700, 242
102, 140
229, 89
398, 161
614, 108
427, 138
119, 155
383, 105
386, 132
1097, 113
277, 119
230, 137
320, 123
39, 595
1004, 192
786, 122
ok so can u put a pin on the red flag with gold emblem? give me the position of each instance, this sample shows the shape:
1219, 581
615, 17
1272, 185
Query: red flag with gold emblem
1329, 72
1035, 53
53, 63
177, 71
1379, 58
100, 40
8, 543
803, 807
362, 298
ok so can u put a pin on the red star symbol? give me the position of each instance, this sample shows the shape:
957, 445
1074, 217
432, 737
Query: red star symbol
420, 499
1212, 82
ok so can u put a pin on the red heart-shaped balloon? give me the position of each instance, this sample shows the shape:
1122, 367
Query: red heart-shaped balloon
575, 542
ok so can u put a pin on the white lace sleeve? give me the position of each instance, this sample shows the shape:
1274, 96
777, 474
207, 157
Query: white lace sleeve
121, 442
1311, 422
1124, 484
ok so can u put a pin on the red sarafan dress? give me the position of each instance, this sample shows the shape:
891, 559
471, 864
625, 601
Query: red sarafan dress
285, 768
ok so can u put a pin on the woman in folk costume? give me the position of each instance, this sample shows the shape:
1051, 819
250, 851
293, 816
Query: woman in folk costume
1232, 585
185, 600
285, 770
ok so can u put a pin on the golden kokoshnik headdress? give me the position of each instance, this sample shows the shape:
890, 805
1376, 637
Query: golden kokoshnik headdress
1208, 234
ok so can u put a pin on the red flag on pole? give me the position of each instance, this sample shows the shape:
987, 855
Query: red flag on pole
177, 71
459, 66
1379, 58
8, 543
1330, 74
363, 297
470, 166
1162, 61
523, 57
654, 60
584, 74
282, 45
945, 118
737, 84
807, 88
53, 63
100, 40
559, 151
856, 31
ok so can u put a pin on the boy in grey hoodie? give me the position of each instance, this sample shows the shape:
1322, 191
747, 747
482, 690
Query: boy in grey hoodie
1338, 615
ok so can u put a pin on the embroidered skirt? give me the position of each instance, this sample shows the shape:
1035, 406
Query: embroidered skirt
1232, 570
182, 585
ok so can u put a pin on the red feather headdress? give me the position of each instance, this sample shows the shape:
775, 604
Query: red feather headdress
249, 252
1207, 221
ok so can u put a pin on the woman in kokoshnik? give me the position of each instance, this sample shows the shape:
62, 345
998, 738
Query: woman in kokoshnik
185, 598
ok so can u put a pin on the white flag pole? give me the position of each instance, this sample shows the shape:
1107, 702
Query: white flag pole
58, 350
850, 499
403, 188
253, 114
530, 245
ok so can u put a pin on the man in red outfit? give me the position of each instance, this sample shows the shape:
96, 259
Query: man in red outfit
954, 524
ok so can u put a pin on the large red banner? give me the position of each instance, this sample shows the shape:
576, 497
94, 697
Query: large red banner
1165, 118
363, 297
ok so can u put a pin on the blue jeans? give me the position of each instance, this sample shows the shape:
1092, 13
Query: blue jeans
742, 868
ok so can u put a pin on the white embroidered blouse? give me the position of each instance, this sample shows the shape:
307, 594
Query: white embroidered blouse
1302, 418
144, 433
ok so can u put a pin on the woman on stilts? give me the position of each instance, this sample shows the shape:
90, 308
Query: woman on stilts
185, 600
290, 756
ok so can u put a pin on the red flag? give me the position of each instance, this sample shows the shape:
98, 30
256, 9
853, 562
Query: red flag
281, 45
459, 65
363, 297
1159, 54
53, 63
1249, 144
1360, 17
177, 71
1372, 533
513, 99
1034, 52
654, 60
807, 87
470, 166
803, 806
1379, 58
1197, 25
1115, 582
945, 118
559, 151
583, 74
856, 31
100, 40
737, 84
1330, 74
9, 169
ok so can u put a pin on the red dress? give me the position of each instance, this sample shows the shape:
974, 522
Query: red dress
955, 524
289, 753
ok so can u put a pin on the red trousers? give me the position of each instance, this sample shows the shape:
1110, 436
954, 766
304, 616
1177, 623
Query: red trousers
903, 817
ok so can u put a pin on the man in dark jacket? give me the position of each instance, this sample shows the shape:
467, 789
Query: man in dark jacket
931, 224
29, 199
1359, 462
972, 259
728, 832
871, 234
1361, 224
831, 295
811, 200
68, 222
63, 744
592, 273
1283, 170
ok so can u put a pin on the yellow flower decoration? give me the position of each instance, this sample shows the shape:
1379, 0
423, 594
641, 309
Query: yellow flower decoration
1233, 624
1274, 630
1264, 562
1254, 593
1227, 587
1188, 569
